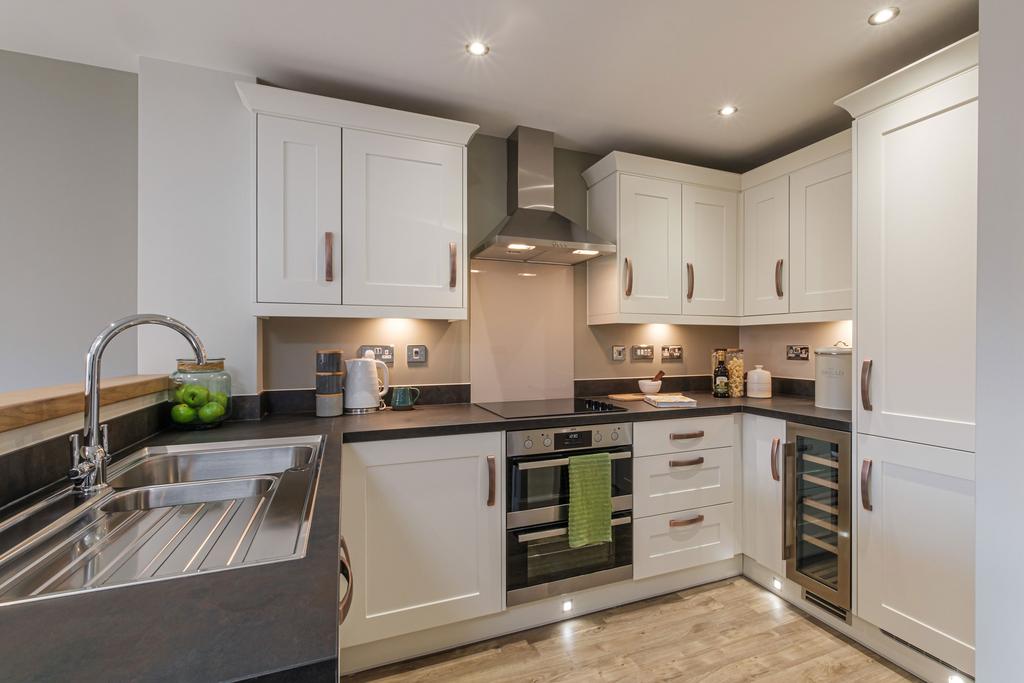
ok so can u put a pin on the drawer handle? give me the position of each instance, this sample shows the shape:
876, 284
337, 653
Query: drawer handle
686, 522
686, 463
775, 458
699, 434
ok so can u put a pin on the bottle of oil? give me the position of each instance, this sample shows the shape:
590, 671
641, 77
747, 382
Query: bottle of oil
720, 377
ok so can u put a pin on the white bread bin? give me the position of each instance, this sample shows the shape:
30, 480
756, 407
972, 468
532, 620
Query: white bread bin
833, 377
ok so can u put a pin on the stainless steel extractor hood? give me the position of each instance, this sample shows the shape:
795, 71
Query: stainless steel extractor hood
533, 232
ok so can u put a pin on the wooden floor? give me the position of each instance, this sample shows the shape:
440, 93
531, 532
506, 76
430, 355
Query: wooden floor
728, 631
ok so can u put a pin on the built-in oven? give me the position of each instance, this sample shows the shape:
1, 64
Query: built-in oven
539, 561
817, 543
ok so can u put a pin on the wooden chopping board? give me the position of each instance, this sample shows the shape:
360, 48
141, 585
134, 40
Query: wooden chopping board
637, 397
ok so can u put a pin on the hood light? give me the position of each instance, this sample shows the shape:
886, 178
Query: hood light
521, 247
527, 274
586, 252
478, 49
884, 16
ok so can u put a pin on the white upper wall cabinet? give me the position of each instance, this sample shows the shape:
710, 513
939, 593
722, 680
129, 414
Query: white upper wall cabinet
766, 248
298, 198
649, 245
821, 236
917, 177
360, 210
403, 237
709, 251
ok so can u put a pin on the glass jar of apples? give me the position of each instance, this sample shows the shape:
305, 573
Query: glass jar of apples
201, 394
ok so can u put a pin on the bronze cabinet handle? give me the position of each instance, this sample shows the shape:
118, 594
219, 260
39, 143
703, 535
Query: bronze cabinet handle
775, 458
865, 383
686, 463
629, 277
789, 502
452, 264
345, 568
687, 435
492, 490
865, 485
689, 282
329, 256
778, 278
686, 522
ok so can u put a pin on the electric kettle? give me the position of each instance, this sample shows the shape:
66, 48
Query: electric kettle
364, 392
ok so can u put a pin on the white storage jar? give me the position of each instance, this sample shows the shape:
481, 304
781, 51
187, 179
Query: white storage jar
833, 377
759, 383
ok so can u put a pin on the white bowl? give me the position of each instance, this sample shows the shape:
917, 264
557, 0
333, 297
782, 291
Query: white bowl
649, 386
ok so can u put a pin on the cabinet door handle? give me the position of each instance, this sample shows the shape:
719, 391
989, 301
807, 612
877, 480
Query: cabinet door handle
687, 435
686, 463
865, 485
686, 522
492, 489
329, 256
629, 277
778, 278
346, 570
452, 264
775, 458
689, 282
865, 383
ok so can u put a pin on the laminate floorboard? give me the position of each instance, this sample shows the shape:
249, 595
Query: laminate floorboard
723, 632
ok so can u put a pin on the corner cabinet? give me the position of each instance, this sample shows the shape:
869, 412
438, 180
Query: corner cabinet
675, 227
766, 248
360, 210
423, 522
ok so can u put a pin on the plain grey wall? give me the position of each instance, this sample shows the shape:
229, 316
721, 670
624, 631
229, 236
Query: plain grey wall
68, 208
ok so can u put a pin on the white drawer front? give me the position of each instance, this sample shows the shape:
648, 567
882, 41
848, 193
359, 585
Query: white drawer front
690, 434
659, 547
680, 481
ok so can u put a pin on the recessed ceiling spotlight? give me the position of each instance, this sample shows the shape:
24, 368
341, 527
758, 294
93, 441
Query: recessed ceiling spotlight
884, 16
728, 110
478, 49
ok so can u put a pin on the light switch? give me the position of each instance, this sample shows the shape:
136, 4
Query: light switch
643, 352
618, 352
416, 354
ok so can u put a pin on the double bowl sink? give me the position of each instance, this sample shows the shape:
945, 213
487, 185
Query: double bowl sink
171, 511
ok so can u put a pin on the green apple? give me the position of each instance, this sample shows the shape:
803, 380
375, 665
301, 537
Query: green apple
195, 395
219, 397
211, 412
179, 394
182, 414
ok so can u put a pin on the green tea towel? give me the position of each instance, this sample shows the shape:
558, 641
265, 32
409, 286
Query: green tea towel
590, 499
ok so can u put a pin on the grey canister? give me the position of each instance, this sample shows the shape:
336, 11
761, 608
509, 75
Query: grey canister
330, 382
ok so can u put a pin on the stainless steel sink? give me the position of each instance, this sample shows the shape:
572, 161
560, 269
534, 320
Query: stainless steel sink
172, 511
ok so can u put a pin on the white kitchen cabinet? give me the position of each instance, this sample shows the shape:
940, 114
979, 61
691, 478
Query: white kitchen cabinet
423, 522
820, 236
766, 248
681, 540
680, 481
915, 545
404, 222
709, 230
917, 175
763, 477
650, 245
298, 227
360, 210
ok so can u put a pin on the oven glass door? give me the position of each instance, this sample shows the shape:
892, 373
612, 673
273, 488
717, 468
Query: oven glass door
543, 482
818, 512
541, 554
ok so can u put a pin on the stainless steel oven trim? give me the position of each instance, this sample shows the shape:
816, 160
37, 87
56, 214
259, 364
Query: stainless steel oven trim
561, 462
562, 531
514, 439
840, 596
556, 513
570, 585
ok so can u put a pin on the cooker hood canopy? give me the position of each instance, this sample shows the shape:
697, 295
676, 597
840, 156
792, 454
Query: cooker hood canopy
534, 232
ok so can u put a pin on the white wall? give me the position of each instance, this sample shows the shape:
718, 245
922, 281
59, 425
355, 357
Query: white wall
999, 463
67, 217
195, 217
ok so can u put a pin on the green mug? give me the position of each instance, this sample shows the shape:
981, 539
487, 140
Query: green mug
402, 398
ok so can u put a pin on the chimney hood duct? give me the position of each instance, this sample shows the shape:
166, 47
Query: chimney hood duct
533, 232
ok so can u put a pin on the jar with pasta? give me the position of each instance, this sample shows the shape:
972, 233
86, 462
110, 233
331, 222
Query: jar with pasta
734, 364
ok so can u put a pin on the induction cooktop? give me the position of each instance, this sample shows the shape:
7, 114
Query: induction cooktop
550, 407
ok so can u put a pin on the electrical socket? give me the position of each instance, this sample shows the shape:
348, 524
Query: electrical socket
672, 353
383, 352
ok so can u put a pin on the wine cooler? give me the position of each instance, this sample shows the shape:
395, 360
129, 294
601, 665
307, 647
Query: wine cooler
817, 512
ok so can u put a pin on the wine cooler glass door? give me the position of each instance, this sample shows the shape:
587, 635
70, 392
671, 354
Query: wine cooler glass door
818, 512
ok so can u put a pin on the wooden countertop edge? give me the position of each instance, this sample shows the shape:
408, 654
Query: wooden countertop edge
29, 406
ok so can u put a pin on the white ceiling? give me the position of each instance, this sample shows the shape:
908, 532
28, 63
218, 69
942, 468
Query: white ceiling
644, 76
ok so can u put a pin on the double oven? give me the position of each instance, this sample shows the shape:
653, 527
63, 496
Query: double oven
538, 560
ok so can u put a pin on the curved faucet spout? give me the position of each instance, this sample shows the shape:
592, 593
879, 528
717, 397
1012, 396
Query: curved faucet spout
89, 461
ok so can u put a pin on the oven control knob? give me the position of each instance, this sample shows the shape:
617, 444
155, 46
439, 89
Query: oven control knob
615, 436
528, 444
547, 442
598, 437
